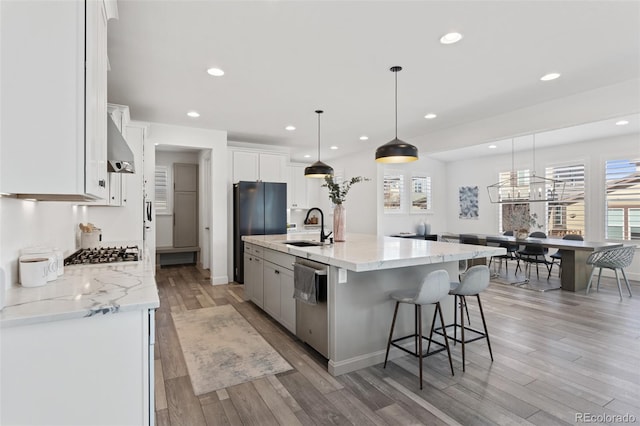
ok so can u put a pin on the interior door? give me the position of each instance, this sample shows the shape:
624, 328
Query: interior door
185, 205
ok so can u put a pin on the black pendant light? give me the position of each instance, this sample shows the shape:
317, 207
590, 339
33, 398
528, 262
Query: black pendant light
396, 151
318, 169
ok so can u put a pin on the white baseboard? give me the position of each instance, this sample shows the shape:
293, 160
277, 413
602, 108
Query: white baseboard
219, 280
363, 361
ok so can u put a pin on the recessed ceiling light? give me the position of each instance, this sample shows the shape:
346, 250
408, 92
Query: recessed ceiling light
492, 147
290, 128
216, 72
450, 38
430, 116
364, 138
307, 156
622, 123
193, 114
550, 76
333, 147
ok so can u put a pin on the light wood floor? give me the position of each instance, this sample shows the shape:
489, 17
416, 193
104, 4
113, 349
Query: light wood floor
556, 354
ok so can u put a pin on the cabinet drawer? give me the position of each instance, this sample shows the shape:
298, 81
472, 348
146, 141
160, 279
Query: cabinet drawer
281, 259
249, 248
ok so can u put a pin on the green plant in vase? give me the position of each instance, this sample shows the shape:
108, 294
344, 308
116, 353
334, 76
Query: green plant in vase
338, 195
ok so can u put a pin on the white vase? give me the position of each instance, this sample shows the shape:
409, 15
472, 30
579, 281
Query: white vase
339, 222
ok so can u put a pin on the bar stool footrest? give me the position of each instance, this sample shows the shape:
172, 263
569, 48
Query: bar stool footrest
441, 348
481, 334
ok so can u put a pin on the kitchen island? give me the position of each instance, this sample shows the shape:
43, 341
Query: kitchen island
80, 348
361, 273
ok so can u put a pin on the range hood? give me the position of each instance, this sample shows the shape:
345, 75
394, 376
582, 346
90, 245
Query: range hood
119, 155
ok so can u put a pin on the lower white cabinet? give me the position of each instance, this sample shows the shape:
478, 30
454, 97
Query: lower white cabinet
256, 280
272, 289
287, 302
83, 371
268, 282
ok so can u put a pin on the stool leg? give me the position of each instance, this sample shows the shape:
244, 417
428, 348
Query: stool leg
462, 331
393, 323
446, 339
484, 323
433, 326
455, 318
419, 311
466, 309
626, 281
415, 326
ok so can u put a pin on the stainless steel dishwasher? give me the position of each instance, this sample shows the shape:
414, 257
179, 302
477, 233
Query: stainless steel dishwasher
312, 320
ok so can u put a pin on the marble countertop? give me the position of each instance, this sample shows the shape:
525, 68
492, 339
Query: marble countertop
83, 291
369, 252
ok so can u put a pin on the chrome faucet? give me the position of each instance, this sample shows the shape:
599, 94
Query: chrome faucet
323, 237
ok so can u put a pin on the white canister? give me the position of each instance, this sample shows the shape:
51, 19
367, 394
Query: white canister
52, 273
33, 270
91, 239
60, 259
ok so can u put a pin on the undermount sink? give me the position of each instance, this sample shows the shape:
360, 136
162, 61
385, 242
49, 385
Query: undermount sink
303, 243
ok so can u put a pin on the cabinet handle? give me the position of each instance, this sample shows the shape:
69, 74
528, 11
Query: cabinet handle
277, 272
102, 183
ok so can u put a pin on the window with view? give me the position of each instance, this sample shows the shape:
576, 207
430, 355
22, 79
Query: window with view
420, 194
622, 220
518, 185
567, 216
162, 190
393, 191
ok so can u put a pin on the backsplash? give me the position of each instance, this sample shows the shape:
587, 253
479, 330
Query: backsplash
29, 223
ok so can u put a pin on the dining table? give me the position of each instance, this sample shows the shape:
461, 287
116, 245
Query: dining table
575, 271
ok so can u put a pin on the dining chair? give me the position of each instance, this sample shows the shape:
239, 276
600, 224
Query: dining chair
615, 258
511, 248
557, 256
534, 253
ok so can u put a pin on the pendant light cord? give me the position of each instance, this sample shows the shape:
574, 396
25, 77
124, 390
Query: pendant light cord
534, 154
396, 73
318, 136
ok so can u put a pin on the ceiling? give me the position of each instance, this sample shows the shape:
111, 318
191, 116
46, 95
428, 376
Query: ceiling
285, 59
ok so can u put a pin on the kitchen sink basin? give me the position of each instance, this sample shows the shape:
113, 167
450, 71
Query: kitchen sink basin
303, 243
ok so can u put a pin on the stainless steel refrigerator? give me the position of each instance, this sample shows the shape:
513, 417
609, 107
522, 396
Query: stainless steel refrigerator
259, 208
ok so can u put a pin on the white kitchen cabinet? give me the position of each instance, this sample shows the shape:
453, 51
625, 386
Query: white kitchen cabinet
287, 302
254, 166
297, 187
272, 289
257, 281
273, 167
82, 371
53, 135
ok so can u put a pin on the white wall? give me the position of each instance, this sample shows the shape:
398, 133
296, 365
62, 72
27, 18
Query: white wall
216, 141
164, 226
484, 171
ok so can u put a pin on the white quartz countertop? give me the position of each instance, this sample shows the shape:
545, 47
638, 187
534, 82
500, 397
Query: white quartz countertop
83, 291
370, 252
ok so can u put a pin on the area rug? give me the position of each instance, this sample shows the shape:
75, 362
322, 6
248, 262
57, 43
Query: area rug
222, 349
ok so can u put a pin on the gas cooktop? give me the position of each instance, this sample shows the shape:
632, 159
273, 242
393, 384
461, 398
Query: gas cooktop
103, 255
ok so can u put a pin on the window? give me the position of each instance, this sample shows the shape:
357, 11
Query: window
566, 217
393, 185
420, 194
162, 190
622, 221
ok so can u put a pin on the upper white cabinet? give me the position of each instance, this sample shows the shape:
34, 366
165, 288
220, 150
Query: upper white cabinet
297, 187
254, 166
53, 134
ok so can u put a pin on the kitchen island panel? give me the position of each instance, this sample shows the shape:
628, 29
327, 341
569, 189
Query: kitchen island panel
360, 313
